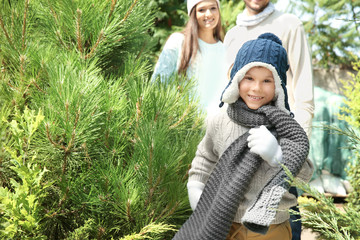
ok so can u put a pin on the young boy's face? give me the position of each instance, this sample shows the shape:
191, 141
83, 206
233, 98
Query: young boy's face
257, 88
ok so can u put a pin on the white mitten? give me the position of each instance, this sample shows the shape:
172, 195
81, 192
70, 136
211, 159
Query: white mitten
263, 143
195, 190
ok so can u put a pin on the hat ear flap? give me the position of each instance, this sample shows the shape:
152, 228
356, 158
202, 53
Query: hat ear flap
286, 100
231, 92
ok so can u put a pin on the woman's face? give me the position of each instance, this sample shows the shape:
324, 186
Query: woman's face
207, 14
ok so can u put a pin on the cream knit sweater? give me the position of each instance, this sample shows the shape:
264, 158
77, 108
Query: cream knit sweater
221, 132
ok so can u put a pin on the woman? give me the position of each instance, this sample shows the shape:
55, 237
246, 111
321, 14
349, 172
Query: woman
197, 52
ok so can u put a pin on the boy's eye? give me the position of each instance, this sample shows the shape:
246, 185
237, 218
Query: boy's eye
268, 80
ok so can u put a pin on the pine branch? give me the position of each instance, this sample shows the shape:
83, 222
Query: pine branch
24, 24
128, 210
167, 212
150, 172
128, 12
138, 110
151, 228
53, 12
69, 147
87, 156
78, 32
96, 44
56, 18
60, 39
182, 118
6, 33
61, 202
350, 133
57, 145
34, 81
112, 7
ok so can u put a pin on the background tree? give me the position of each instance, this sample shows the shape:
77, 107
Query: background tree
171, 15
333, 30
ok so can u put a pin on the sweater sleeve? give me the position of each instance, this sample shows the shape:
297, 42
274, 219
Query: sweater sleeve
306, 171
206, 156
167, 63
302, 78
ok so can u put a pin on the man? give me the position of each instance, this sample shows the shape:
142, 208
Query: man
260, 16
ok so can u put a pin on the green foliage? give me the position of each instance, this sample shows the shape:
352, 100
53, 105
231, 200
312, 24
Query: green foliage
229, 11
351, 89
115, 146
352, 117
321, 215
21, 212
151, 229
354, 197
332, 28
171, 16
83, 231
328, 220
4, 114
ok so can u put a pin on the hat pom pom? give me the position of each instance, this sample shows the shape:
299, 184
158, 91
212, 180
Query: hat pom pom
271, 36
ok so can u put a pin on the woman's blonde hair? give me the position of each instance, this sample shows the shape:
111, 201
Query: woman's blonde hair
191, 45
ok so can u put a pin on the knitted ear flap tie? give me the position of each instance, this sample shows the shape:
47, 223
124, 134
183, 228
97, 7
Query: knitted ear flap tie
229, 181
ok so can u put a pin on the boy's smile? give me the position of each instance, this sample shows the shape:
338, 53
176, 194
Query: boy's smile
257, 88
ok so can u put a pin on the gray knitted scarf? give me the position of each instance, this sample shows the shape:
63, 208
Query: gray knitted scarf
229, 181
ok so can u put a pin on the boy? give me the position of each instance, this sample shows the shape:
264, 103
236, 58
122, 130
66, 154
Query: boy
237, 168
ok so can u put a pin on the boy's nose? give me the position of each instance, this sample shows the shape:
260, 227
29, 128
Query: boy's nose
256, 86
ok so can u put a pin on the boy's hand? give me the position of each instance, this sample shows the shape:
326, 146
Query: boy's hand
195, 190
263, 143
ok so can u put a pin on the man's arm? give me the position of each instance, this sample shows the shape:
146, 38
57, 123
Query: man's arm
302, 78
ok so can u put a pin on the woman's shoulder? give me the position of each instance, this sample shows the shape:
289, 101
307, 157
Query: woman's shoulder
174, 41
177, 35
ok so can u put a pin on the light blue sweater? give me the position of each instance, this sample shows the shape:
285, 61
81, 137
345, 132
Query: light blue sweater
208, 68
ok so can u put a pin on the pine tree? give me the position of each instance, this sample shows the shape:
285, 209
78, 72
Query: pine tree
115, 147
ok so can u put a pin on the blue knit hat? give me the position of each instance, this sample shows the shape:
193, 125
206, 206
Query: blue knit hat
265, 51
